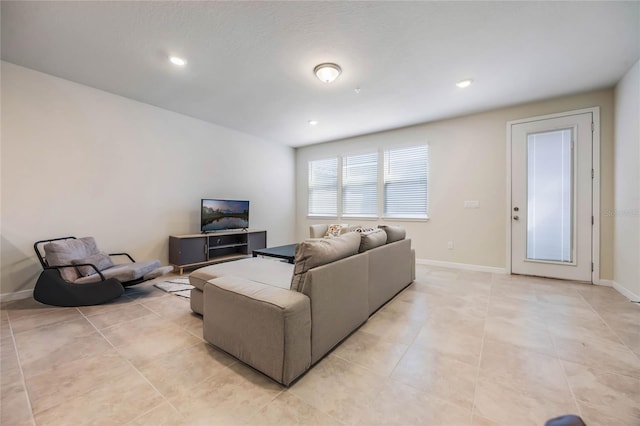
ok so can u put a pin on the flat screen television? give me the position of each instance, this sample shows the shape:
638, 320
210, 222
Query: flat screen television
223, 215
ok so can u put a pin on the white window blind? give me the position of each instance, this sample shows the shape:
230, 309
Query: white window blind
360, 185
323, 187
406, 173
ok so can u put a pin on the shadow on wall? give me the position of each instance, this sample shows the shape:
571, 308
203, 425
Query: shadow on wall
20, 269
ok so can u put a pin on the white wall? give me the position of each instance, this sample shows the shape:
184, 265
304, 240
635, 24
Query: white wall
80, 161
626, 214
468, 162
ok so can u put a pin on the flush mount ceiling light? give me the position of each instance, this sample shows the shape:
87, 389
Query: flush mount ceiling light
313, 122
177, 61
327, 72
464, 83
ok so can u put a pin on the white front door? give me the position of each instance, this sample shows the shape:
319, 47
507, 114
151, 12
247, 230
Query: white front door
551, 197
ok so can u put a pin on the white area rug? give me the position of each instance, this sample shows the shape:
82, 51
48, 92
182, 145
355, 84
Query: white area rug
178, 286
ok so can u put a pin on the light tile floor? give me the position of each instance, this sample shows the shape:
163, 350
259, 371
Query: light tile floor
454, 348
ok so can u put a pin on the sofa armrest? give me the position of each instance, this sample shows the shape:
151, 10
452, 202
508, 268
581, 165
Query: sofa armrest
266, 327
318, 231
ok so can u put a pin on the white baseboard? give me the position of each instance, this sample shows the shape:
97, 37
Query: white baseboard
626, 292
17, 295
465, 266
604, 283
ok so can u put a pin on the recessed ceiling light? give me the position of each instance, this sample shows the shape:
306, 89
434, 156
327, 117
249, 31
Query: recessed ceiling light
464, 83
313, 122
177, 61
327, 72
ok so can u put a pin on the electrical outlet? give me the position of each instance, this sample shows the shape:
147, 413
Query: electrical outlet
450, 245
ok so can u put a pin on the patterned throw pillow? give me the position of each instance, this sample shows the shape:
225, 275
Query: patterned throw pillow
335, 230
363, 229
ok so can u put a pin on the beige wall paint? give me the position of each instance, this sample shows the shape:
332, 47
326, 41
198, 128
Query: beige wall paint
468, 162
79, 161
626, 211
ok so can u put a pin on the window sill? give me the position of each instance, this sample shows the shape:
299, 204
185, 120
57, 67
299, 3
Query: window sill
322, 217
405, 219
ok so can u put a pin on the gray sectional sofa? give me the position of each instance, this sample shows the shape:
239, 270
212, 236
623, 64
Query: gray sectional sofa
282, 318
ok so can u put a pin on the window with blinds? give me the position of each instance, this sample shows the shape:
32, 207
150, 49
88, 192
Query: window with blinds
406, 172
360, 185
323, 187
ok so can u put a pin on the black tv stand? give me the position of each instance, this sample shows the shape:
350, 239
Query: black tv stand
213, 247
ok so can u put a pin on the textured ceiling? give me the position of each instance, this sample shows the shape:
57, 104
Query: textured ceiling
250, 63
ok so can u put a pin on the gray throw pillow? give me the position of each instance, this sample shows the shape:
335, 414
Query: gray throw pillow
100, 260
312, 253
63, 252
394, 233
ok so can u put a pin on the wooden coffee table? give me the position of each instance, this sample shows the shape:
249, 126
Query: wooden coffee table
287, 252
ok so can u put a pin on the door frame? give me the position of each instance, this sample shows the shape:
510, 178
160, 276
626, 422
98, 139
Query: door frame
595, 185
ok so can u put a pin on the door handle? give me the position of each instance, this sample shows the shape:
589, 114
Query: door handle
516, 217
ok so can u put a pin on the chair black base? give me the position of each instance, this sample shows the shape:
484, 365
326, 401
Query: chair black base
51, 289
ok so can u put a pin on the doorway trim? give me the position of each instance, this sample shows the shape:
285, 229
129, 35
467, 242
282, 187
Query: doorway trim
595, 186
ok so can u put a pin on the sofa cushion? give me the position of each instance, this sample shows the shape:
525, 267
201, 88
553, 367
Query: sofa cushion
100, 260
372, 239
335, 230
265, 271
312, 253
394, 233
64, 252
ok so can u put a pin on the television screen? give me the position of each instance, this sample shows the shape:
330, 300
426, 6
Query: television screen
221, 215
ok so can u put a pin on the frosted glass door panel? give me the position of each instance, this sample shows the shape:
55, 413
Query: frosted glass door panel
550, 196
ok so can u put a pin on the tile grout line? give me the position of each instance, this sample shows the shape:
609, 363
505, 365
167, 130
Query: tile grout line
564, 373
24, 382
484, 332
265, 405
165, 399
609, 327
408, 345
133, 366
314, 406
179, 326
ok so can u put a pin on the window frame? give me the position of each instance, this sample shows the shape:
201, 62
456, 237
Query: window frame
309, 189
383, 183
380, 178
341, 200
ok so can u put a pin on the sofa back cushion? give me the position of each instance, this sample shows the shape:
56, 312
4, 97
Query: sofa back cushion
372, 239
64, 252
312, 253
394, 233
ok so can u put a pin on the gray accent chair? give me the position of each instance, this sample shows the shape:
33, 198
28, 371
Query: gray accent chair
76, 273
